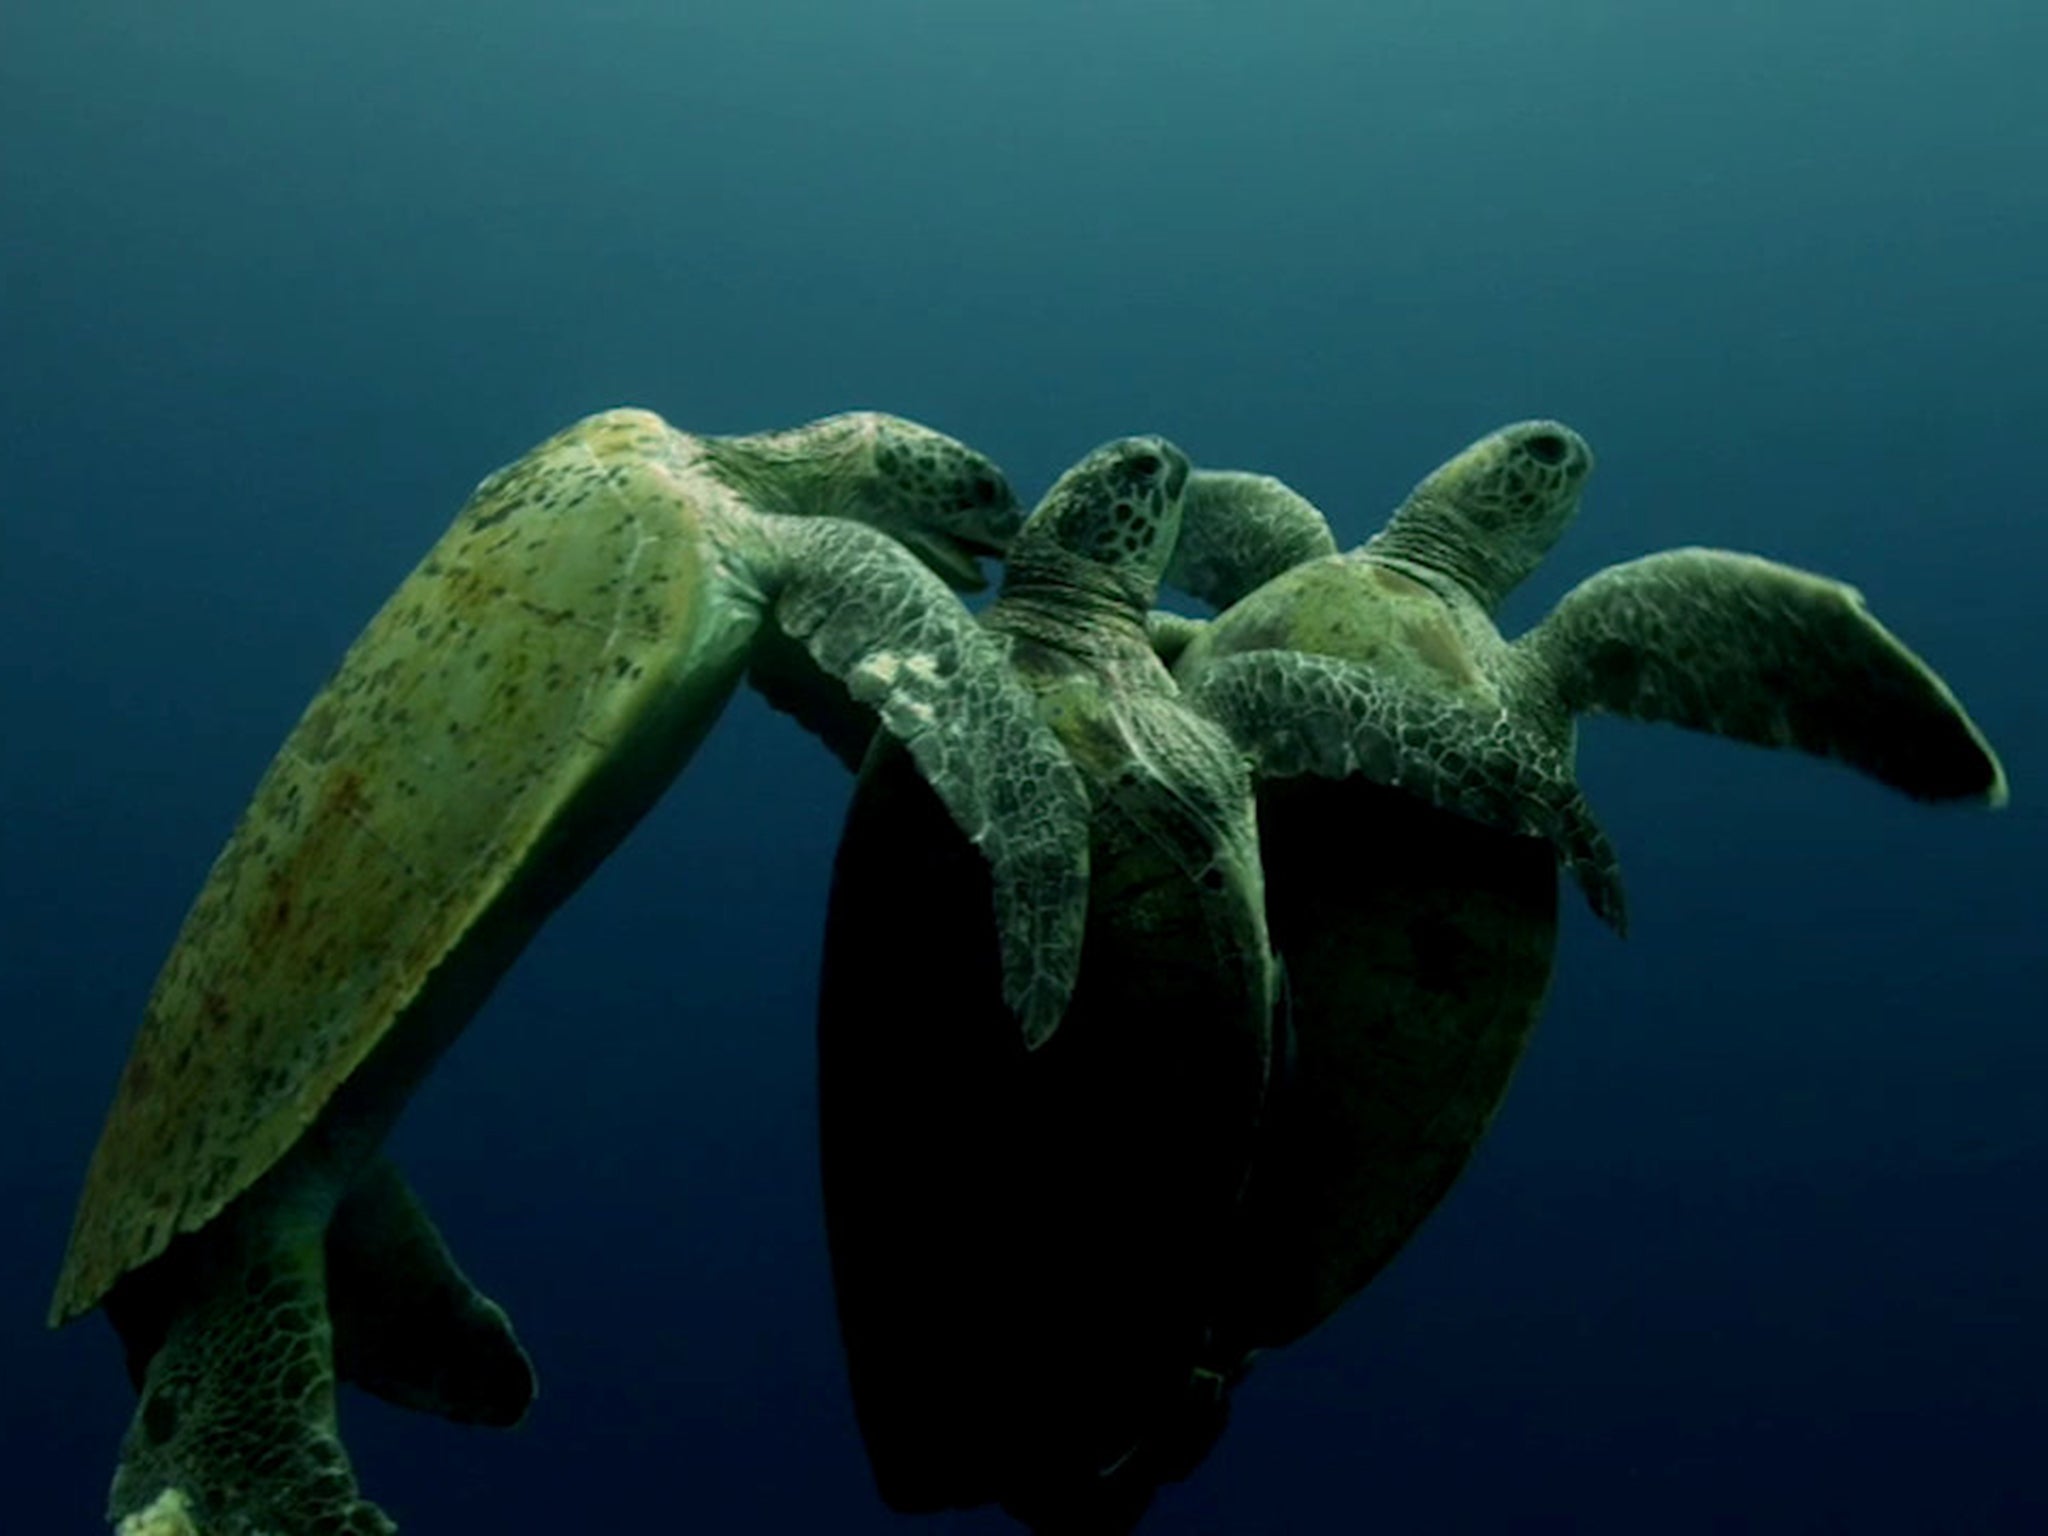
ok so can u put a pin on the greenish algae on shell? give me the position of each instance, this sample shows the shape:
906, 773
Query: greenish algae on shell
334, 902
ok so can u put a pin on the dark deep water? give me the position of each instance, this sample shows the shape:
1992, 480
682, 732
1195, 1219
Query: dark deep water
1758, 1241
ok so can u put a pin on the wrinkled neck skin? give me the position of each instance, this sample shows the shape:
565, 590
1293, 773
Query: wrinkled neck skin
1430, 540
1082, 610
818, 470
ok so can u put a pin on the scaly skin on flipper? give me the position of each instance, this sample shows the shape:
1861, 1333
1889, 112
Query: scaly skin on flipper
942, 686
408, 1325
512, 711
1240, 530
169, 1514
1403, 653
235, 1431
1171, 634
1413, 988
1025, 1232
1300, 713
1746, 648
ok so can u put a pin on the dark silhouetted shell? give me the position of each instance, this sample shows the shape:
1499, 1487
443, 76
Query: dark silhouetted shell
1026, 1245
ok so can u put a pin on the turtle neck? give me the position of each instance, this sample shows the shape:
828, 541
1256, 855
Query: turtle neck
1429, 538
1085, 610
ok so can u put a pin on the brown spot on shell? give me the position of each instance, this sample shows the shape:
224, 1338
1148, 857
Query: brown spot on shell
344, 796
338, 896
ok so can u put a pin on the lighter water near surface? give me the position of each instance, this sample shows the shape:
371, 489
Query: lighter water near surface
1756, 1244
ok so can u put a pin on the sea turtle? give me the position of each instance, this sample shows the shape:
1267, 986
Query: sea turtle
516, 706
1418, 938
1024, 1229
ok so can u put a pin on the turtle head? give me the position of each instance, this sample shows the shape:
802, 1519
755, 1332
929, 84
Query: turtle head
947, 504
1111, 520
1488, 517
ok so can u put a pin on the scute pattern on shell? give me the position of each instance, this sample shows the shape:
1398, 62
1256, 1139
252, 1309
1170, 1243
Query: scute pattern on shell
504, 671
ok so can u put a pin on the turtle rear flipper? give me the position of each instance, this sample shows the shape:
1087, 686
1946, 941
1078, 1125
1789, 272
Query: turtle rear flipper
1747, 648
409, 1326
235, 1430
1113, 1500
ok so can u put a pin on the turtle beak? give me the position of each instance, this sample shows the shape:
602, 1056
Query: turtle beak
956, 558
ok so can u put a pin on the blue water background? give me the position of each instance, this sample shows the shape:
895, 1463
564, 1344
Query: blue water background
1758, 1243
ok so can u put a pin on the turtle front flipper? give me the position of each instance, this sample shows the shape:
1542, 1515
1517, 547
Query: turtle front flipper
783, 673
235, 1432
1171, 634
1764, 653
1238, 530
871, 616
1297, 712
409, 1326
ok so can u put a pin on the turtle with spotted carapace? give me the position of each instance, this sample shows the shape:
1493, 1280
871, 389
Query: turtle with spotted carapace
514, 709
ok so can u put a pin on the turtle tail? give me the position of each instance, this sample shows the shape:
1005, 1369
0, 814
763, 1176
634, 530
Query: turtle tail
1589, 855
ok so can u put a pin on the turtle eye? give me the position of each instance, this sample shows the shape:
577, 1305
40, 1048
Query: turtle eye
1547, 448
982, 493
1146, 464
